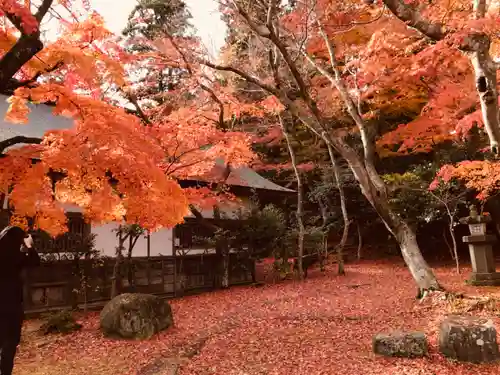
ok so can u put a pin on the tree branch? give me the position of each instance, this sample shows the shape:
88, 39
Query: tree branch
18, 139
242, 74
219, 103
413, 18
14, 84
138, 110
261, 30
203, 86
25, 48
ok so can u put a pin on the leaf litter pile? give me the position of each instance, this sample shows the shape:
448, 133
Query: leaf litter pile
323, 325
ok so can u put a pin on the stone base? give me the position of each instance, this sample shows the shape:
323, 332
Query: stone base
468, 339
484, 279
400, 344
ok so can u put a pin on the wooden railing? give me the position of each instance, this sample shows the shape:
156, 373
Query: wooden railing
66, 284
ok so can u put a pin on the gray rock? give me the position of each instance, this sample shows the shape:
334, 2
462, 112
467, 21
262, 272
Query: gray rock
400, 344
135, 316
468, 339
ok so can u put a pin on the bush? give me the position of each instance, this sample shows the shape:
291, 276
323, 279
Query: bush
60, 322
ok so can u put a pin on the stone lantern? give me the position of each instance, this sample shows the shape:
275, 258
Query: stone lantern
480, 249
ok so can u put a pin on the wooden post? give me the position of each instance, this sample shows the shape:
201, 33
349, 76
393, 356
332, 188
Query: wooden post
163, 274
148, 263
175, 261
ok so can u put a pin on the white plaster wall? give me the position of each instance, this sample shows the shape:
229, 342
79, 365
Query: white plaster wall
161, 242
228, 210
71, 207
106, 241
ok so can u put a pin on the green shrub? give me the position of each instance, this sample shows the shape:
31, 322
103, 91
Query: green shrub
59, 322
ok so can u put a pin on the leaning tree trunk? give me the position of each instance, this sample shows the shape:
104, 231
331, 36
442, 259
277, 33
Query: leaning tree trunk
364, 170
486, 86
375, 192
370, 182
419, 269
300, 203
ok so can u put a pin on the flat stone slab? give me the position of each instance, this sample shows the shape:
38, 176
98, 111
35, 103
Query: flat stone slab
163, 366
484, 279
468, 339
400, 344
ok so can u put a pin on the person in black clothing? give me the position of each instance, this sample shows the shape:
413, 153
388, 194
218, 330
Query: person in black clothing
16, 253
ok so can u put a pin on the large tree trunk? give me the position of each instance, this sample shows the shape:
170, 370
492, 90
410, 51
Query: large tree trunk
371, 184
476, 45
404, 234
478, 50
412, 255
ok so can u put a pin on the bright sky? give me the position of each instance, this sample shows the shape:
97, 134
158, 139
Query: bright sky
206, 18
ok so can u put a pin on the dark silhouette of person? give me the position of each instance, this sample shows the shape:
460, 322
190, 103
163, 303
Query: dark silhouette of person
16, 254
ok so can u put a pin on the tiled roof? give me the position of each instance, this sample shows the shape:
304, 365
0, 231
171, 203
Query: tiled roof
42, 120
240, 176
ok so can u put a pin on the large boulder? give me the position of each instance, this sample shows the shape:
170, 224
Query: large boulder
468, 339
400, 344
135, 316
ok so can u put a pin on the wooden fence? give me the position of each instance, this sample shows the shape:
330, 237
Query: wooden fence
87, 283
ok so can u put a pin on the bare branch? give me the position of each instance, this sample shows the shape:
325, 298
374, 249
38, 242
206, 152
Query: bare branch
43, 9
138, 110
413, 18
203, 86
270, 14
261, 30
17, 140
15, 84
218, 101
247, 77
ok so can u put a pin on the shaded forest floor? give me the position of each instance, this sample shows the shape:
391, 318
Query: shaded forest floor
321, 326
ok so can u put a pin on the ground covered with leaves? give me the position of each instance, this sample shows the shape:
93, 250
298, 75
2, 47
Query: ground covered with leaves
323, 325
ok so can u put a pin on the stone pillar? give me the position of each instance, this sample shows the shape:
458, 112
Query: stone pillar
481, 250
482, 259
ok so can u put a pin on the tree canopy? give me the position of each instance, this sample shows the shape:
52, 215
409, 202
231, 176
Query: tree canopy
114, 164
366, 83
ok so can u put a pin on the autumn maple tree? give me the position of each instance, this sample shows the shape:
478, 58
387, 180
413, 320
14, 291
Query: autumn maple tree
116, 165
299, 46
464, 30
